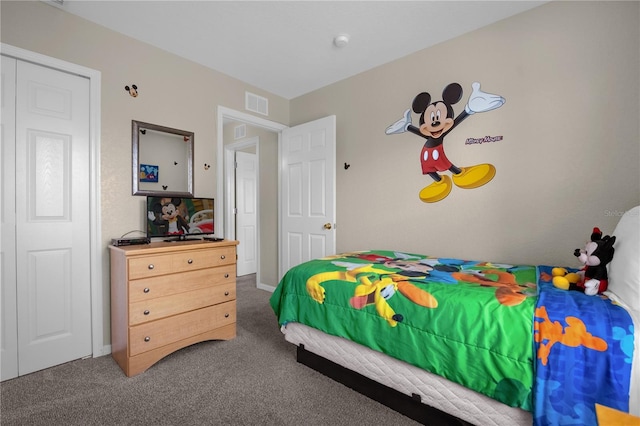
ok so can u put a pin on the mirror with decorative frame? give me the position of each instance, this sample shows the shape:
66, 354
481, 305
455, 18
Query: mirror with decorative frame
162, 160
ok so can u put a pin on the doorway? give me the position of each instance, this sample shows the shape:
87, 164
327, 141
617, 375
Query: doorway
265, 135
310, 185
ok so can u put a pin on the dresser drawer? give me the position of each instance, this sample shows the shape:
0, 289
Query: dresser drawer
153, 309
198, 259
152, 335
151, 288
150, 266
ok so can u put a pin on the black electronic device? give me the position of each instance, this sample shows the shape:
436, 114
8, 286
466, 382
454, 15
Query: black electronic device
212, 238
179, 219
129, 241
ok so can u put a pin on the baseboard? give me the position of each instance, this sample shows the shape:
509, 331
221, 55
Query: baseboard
266, 287
106, 350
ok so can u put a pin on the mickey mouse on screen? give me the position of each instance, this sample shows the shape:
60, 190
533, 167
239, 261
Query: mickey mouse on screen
166, 216
436, 121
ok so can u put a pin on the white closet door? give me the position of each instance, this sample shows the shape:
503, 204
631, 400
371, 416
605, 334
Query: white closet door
8, 315
52, 217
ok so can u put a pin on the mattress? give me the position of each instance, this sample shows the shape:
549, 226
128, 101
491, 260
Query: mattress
433, 390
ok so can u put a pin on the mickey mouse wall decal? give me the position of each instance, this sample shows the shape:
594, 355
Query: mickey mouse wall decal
436, 121
165, 187
143, 131
175, 163
133, 90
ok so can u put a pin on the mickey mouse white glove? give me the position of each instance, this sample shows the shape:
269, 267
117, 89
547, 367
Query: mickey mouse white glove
591, 287
401, 125
480, 101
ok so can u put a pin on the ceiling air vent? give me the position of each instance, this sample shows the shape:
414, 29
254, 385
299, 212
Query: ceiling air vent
256, 103
240, 131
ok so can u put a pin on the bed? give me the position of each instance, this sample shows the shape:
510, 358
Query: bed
482, 342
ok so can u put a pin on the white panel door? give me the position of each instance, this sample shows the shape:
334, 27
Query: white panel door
308, 215
8, 313
247, 215
52, 217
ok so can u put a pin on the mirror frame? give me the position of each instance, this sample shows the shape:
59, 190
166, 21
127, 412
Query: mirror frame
135, 145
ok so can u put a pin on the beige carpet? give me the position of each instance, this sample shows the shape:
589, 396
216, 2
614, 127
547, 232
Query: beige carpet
251, 380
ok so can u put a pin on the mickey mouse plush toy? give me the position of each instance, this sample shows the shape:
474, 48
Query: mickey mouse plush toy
592, 278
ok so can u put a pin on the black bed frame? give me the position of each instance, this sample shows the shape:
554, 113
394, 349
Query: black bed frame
411, 407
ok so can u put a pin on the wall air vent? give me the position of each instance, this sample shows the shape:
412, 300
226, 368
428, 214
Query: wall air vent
240, 131
255, 103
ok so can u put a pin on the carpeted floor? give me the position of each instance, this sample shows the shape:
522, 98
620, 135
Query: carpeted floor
253, 379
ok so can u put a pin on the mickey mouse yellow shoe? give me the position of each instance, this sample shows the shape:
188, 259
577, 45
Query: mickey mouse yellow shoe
564, 279
474, 176
436, 191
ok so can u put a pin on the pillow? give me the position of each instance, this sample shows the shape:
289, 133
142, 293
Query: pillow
624, 269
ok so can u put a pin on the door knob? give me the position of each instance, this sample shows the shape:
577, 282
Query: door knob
327, 226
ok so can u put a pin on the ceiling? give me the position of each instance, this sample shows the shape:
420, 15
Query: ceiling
286, 47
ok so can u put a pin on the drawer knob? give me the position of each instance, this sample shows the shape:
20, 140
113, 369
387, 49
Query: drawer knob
190, 261
226, 315
226, 293
146, 312
151, 266
223, 257
226, 275
146, 339
146, 290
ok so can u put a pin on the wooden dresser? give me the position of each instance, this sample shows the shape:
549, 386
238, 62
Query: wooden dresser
168, 295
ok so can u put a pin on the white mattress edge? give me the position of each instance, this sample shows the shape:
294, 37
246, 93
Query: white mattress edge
434, 390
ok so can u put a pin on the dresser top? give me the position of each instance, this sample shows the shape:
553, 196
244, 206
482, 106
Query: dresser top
173, 246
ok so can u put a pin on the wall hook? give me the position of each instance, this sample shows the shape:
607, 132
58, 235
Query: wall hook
346, 166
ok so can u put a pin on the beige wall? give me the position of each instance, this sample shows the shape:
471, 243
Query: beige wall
569, 159
173, 92
268, 204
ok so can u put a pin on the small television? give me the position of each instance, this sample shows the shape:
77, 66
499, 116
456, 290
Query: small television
179, 219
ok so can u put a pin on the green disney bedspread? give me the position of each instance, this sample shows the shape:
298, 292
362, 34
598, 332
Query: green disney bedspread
470, 322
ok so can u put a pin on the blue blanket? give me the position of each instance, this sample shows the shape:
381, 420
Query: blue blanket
584, 348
